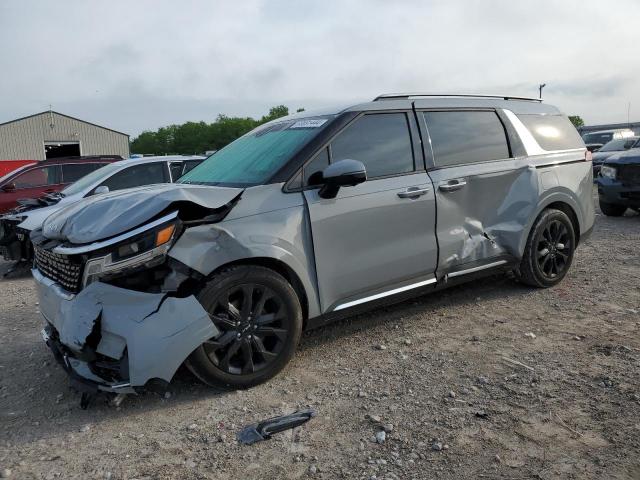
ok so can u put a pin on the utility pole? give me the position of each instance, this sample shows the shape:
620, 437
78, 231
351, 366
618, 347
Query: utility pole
540, 87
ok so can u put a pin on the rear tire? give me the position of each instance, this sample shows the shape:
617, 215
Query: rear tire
549, 250
611, 209
259, 318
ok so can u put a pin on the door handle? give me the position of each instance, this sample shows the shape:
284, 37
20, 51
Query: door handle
452, 186
413, 192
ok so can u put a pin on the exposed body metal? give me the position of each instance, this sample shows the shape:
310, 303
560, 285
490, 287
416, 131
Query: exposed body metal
383, 237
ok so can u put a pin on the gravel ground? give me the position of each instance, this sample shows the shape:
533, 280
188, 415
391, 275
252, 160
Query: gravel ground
439, 373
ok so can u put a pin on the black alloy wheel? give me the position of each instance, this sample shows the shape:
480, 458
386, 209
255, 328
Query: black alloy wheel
549, 250
258, 318
553, 249
254, 327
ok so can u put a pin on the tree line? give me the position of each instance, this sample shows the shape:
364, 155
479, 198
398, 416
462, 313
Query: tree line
198, 137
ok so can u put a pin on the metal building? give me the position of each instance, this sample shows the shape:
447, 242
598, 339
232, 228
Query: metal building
51, 134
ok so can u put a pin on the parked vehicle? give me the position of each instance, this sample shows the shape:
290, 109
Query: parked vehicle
9, 166
619, 183
47, 176
595, 140
16, 226
611, 148
304, 219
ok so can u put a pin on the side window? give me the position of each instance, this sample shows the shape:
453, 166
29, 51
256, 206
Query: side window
190, 165
137, 175
75, 171
39, 177
176, 170
381, 141
466, 137
312, 171
553, 132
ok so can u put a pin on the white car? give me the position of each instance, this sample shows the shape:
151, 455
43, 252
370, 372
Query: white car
16, 225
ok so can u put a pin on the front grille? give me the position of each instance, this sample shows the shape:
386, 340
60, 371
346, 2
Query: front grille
59, 268
629, 174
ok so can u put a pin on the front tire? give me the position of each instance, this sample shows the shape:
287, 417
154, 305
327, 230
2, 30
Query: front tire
611, 209
549, 250
259, 318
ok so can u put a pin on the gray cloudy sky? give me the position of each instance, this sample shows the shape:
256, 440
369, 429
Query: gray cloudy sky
138, 65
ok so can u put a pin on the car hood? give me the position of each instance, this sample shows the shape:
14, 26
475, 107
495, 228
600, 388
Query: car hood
104, 216
629, 157
599, 157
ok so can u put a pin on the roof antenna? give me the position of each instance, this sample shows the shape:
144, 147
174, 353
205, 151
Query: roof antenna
540, 87
51, 124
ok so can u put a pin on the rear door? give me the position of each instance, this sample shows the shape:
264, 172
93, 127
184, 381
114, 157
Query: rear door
483, 192
377, 238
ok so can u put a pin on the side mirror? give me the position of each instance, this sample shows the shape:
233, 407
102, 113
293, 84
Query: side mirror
343, 173
101, 189
9, 187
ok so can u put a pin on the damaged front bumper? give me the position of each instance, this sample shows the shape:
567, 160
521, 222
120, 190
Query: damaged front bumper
116, 340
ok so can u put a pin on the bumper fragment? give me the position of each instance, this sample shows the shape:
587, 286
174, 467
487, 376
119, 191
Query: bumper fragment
114, 339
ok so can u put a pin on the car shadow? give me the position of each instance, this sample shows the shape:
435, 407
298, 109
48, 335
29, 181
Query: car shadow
14, 270
48, 407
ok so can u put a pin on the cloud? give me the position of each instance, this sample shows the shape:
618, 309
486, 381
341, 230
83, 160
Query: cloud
139, 65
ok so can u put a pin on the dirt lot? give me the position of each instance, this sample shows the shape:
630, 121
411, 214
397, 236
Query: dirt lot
433, 370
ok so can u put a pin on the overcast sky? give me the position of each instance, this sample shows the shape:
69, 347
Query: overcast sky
138, 65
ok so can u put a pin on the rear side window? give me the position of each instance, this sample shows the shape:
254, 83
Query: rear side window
138, 175
459, 138
381, 141
553, 132
38, 177
75, 171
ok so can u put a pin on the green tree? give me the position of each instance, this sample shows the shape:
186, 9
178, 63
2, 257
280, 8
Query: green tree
576, 120
198, 137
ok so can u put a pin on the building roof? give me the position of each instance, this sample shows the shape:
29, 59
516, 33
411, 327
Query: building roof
63, 115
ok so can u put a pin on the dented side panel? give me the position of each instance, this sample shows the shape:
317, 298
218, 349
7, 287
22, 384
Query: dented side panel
266, 224
486, 217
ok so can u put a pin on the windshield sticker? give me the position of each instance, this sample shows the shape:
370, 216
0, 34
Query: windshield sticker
309, 123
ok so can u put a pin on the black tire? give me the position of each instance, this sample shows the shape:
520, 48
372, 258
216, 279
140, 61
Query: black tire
549, 250
251, 347
612, 210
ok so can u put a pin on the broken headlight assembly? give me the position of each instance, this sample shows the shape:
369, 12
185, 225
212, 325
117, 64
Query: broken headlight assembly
147, 249
608, 172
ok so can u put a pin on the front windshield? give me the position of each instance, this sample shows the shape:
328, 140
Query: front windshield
601, 138
91, 178
255, 157
614, 145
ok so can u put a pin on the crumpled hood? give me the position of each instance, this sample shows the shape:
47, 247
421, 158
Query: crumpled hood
104, 216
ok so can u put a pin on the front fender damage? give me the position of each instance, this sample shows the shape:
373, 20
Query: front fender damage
154, 332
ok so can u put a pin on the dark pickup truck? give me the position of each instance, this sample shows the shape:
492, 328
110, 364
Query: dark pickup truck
619, 183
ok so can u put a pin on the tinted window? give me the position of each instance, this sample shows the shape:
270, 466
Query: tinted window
466, 137
618, 145
176, 170
136, 176
553, 132
38, 177
381, 141
74, 172
315, 167
596, 137
190, 165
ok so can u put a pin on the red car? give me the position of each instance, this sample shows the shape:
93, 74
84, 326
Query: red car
10, 166
47, 176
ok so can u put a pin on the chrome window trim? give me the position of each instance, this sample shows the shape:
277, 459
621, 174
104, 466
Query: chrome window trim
99, 245
384, 294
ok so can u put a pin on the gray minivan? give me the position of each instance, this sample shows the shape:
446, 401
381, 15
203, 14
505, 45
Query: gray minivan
305, 219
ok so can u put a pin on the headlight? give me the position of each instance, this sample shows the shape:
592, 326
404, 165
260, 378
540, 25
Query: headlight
607, 171
147, 249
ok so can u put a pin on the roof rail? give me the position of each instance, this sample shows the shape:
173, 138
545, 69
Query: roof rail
389, 96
